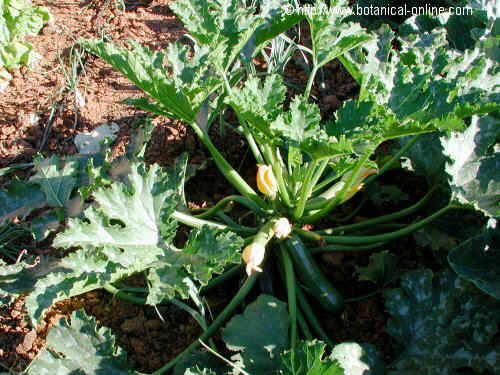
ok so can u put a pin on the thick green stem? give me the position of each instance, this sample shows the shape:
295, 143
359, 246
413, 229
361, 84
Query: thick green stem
290, 287
216, 324
382, 219
303, 325
198, 223
305, 190
253, 145
354, 240
226, 169
232, 272
250, 204
315, 324
276, 165
307, 92
125, 296
329, 248
340, 196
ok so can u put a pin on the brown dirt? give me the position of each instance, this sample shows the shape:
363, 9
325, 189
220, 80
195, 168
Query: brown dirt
148, 340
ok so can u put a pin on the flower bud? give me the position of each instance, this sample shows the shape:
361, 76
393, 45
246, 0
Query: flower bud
266, 182
282, 228
253, 255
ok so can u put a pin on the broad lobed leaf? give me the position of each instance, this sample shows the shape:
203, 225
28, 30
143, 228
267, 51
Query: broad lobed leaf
442, 323
80, 347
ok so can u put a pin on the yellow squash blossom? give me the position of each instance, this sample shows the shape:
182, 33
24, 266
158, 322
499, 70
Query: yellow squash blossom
266, 182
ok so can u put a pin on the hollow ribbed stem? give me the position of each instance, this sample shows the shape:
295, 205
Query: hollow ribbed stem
303, 325
248, 203
123, 295
354, 240
216, 324
254, 147
328, 248
381, 219
309, 314
340, 196
198, 223
232, 272
290, 288
276, 165
226, 169
305, 190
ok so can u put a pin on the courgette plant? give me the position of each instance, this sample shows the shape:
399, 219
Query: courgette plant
306, 168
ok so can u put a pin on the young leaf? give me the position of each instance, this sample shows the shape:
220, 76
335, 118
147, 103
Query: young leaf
260, 334
80, 347
309, 359
331, 36
300, 128
229, 27
441, 324
258, 103
56, 178
478, 260
381, 270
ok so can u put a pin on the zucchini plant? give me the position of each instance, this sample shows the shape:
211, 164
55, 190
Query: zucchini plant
306, 169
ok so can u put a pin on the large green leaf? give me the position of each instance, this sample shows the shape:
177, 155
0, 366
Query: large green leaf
309, 359
179, 86
331, 35
19, 199
474, 162
129, 229
421, 88
442, 323
56, 178
260, 334
80, 347
478, 260
230, 27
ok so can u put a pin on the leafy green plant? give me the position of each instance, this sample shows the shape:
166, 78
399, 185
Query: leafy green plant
307, 168
18, 18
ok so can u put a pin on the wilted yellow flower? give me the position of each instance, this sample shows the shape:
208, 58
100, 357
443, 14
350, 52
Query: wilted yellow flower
358, 185
253, 256
266, 182
282, 228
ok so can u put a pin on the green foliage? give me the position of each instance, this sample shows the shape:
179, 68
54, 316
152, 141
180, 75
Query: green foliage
474, 162
331, 36
441, 323
382, 269
260, 334
79, 347
18, 18
19, 199
56, 181
477, 260
130, 229
309, 359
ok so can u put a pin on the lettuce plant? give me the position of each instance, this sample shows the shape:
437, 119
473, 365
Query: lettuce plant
18, 18
306, 169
